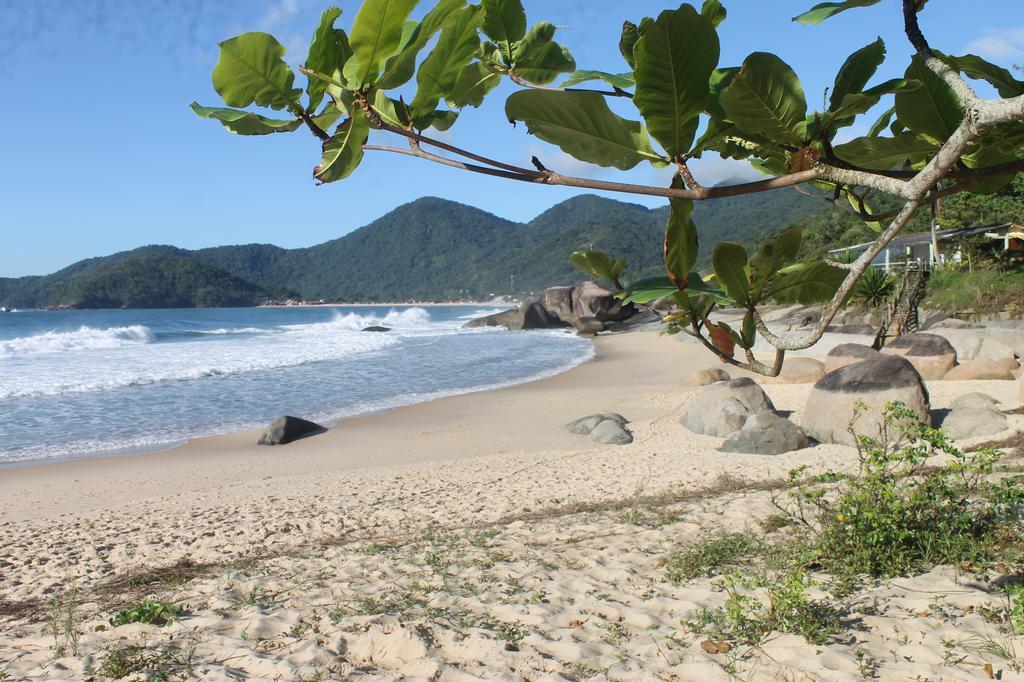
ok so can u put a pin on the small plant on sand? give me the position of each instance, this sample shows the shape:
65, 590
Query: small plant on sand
711, 556
749, 619
898, 515
120, 661
148, 612
63, 624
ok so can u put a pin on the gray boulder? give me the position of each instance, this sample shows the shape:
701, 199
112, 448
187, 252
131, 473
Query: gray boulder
975, 401
847, 354
558, 302
376, 328
723, 408
611, 432
933, 356
536, 316
510, 319
972, 422
766, 433
875, 382
976, 370
584, 425
284, 430
590, 300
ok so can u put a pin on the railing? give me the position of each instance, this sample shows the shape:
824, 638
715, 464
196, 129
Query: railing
901, 315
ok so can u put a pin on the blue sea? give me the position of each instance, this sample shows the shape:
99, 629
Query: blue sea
87, 383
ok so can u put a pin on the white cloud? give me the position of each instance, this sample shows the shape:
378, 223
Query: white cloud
278, 13
1004, 43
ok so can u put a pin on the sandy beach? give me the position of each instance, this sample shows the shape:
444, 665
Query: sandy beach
471, 537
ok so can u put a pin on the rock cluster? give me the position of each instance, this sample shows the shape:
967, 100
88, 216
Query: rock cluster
862, 390
589, 308
740, 411
607, 428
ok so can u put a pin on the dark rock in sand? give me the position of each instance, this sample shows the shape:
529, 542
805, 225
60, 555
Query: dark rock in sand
875, 382
584, 425
766, 433
611, 432
284, 430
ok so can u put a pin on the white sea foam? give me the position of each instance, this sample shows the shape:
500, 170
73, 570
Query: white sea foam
115, 365
83, 338
232, 330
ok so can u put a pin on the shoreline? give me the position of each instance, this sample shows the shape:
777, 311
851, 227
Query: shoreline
370, 409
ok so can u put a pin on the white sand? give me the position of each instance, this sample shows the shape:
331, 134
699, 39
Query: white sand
419, 542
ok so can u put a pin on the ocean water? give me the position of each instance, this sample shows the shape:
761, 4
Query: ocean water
83, 383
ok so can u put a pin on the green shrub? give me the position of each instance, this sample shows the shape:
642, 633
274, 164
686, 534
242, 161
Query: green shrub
149, 612
982, 291
874, 288
746, 618
710, 557
898, 515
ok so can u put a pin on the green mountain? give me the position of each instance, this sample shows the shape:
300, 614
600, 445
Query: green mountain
429, 249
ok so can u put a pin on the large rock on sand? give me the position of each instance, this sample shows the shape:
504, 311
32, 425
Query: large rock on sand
722, 409
973, 422
978, 370
558, 302
974, 401
801, 371
930, 354
593, 301
877, 381
847, 354
284, 430
766, 433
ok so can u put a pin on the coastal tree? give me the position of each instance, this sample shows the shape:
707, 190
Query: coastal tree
936, 138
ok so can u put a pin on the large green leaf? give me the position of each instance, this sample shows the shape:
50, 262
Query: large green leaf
327, 53
504, 23
245, 122
627, 41
883, 153
344, 150
472, 85
251, 70
583, 126
807, 283
932, 109
882, 122
858, 103
440, 71
729, 262
779, 251
765, 98
681, 244
376, 36
976, 67
986, 156
598, 265
622, 81
538, 59
856, 71
675, 58
714, 11
402, 67
825, 10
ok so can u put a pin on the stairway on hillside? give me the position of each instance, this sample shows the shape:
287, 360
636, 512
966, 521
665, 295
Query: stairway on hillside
902, 312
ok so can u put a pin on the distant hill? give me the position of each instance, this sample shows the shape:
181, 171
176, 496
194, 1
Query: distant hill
429, 249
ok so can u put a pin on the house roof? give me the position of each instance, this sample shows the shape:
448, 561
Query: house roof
915, 238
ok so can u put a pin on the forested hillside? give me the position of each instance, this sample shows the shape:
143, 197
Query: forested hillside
429, 249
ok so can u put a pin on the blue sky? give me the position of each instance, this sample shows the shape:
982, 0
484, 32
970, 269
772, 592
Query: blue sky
101, 153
